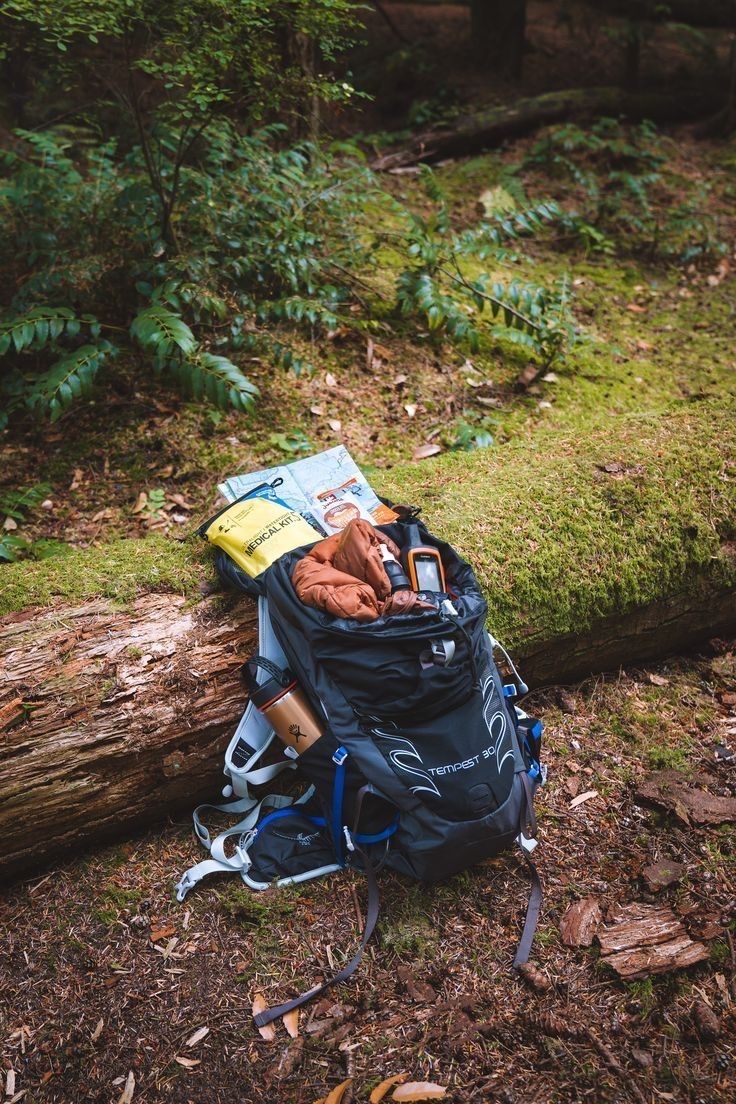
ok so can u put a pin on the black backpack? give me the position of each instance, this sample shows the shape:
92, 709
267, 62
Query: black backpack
427, 765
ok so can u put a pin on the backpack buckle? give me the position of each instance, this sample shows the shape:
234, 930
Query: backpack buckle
348, 838
340, 756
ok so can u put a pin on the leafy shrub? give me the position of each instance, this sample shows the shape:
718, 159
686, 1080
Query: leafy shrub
14, 505
270, 241
629, 197
267, 235
443, 284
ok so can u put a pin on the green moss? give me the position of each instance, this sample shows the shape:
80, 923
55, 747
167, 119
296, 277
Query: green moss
559, 542
118, 570
256, 910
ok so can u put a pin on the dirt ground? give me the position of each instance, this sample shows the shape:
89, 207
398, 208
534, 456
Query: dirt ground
102, 973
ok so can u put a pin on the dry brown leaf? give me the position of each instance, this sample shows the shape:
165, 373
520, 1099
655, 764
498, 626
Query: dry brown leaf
330, 380
419, 1090
268, 1031
97, 1031
587, 796
424, 451
197, 1037
316, 409
78, 478
291, 1022
187, 1063
338, 1092
126, 1095
657, 680
635, 308
140, 503
410, 409
380, 1090
10, 1083
334, 424
179, 500
400, 380
10, 524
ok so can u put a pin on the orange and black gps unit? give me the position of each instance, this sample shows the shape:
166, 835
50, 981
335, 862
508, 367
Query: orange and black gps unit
423, 565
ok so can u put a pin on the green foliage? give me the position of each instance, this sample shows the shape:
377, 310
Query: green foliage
273, 237
440, 286
14, 506
294, 442
629, 198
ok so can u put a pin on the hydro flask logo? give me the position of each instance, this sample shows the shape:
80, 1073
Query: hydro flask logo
296, 732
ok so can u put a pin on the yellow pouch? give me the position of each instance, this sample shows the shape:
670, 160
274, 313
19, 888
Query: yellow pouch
256, 531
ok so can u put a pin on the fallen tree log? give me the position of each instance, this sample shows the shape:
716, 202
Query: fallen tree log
491, 127
116, 714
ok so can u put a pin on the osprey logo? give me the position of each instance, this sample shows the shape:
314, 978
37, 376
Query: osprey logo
405, 757
301, 838
496, 722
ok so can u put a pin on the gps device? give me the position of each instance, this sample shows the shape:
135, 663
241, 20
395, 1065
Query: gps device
423, 564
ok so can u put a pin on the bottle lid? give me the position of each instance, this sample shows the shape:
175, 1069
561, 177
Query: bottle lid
280, 679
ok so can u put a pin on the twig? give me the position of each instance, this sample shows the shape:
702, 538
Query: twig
358, 913
615, 1065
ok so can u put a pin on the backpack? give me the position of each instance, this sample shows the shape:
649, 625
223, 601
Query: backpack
427, 765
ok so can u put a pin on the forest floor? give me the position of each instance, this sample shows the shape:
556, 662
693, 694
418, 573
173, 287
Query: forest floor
104, 973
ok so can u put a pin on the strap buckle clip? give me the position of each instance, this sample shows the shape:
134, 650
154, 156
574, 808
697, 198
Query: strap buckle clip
340, 756
348, 838
187, 882
243, 856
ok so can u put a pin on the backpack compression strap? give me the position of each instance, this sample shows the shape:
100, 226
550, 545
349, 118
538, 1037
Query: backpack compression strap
371, 917
532, 917
527, 842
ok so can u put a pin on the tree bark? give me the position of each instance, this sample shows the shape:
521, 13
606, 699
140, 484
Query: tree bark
486, 129
497, 34
115, 718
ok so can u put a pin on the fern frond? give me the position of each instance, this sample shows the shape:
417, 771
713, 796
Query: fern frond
68, 379
205, 375
36, 328
161, 330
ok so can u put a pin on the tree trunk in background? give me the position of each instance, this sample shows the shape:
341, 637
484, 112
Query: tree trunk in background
497, 34
112, 718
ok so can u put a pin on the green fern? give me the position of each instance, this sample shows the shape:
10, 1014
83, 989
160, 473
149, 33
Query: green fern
38, 326
205, 375
68, 379
161, 330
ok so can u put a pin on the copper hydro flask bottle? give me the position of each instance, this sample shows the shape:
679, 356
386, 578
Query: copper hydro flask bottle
284, 704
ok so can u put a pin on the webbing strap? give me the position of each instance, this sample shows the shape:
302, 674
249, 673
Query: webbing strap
371, 917
532, 917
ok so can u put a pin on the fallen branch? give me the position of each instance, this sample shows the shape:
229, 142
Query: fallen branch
491, 127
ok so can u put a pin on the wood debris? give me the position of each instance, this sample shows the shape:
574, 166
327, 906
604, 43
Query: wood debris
580, 922
686, 797
647, 939
663, 874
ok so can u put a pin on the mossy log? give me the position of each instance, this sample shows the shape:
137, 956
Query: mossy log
490, 127
593, 552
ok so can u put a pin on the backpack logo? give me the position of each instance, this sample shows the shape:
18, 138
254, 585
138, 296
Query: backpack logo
404, 757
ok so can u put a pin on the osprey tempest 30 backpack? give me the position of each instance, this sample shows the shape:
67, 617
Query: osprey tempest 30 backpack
426, 765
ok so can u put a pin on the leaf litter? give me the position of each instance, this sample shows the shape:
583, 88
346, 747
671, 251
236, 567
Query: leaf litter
420, 992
